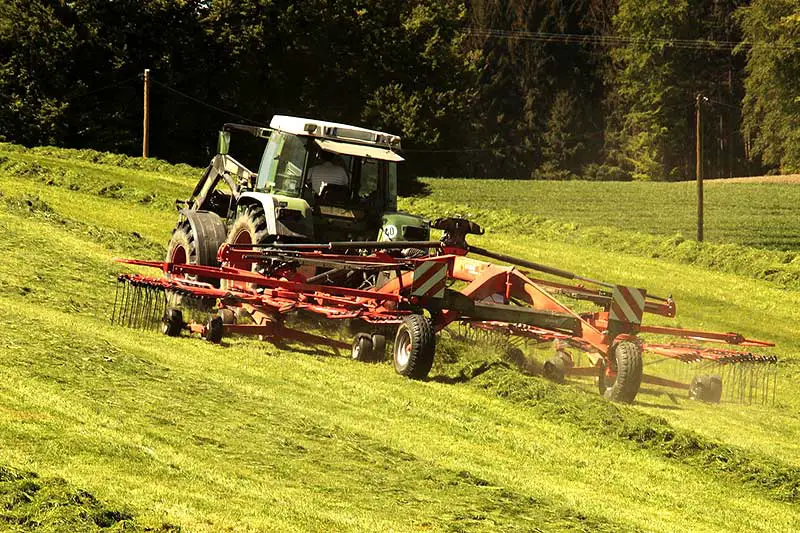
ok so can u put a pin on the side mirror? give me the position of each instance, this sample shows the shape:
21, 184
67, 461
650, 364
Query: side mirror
223, 142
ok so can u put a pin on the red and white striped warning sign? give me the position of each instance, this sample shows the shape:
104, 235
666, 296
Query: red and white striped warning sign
627, 304
429, 279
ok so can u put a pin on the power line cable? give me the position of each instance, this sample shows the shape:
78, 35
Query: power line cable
717, 102
609, 40
206, 104
448, 150
105, 87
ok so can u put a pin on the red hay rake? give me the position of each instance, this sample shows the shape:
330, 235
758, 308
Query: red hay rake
380, 287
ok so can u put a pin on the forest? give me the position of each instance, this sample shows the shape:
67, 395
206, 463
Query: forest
536, 89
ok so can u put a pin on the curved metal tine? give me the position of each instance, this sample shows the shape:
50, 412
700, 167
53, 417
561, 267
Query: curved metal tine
116, 297
126, 302
148, 308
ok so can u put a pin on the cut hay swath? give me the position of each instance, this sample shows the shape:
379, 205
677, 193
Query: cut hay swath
376, 286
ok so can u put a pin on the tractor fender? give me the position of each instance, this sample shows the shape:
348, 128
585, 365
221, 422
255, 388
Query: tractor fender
403, 227
209, 231
286, 216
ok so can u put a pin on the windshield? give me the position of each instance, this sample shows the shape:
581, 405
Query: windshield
282, 165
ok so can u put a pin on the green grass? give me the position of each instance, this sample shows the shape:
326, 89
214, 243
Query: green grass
751, 214
134, 430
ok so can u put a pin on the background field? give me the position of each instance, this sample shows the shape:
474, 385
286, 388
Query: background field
102, 426
753, 214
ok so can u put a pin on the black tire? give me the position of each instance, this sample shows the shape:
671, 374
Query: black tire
249, 227
627, 357
196, 240
362, 348
378, 347
706, 389
172, 322
414, 347
214, 330
227, 316
554, 370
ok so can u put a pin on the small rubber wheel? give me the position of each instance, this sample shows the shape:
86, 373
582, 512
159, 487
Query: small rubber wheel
227, 316
554, 369
627, 357
172, 322
414, 347
214, 330
378, 347
706, 389
362, 348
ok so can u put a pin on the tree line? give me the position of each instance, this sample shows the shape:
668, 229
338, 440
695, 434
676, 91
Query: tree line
548, 89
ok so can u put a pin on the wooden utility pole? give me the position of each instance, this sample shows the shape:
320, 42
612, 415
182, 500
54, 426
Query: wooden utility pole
146, 125
699, 168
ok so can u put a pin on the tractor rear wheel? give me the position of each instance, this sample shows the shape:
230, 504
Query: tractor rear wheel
249, 227
414, 347
627, 357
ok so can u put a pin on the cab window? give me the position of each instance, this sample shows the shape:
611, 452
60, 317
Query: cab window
369, 178
282, 165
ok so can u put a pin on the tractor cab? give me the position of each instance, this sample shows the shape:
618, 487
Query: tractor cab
346, 175
317, 181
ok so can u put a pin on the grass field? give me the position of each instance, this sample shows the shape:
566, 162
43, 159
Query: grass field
103, 427
752, 214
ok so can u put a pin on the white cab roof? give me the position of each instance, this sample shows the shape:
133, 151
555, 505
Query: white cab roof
358, 150
334, 131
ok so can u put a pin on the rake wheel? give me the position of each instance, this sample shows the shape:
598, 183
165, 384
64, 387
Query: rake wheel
414, 347
362, 348
628, 362
706, 389
214, 330
378, 347
173, 322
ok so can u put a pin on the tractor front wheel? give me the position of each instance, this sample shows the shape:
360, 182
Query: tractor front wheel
195, 241
414, 347
627, 358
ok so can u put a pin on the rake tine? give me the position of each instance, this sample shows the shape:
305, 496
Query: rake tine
116, 297
148, 302
137, 306
774, 381
137, 318
134, 307
123, 309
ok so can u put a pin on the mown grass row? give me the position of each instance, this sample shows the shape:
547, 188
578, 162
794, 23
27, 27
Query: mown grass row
31, 503
593, 414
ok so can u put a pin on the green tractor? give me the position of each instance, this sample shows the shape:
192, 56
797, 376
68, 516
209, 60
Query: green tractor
317, 182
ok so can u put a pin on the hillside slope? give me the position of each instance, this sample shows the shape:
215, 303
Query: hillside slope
170, 433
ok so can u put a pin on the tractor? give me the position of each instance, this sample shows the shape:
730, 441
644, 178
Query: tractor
317, 181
